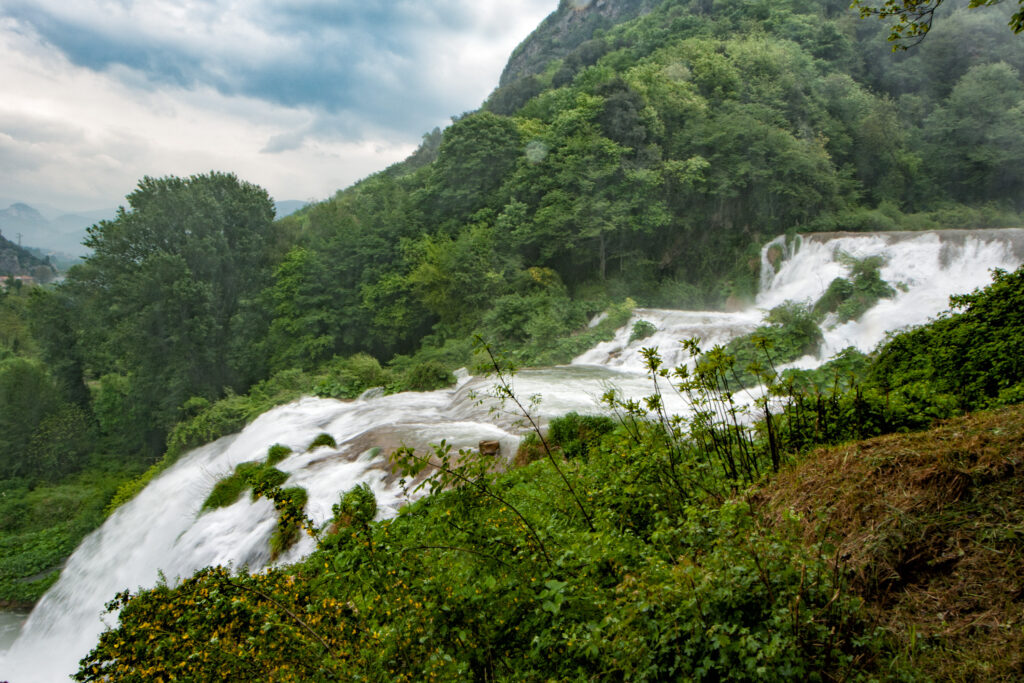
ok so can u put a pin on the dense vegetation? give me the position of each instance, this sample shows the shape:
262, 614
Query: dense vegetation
653, 548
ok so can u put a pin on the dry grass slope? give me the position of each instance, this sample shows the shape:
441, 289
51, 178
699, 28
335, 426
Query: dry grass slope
930, 528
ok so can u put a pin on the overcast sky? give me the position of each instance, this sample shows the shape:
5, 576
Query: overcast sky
302, 97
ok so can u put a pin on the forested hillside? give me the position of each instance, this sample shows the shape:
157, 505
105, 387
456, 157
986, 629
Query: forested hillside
14, 260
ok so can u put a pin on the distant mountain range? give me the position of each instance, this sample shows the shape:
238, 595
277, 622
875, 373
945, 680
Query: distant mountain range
61, 235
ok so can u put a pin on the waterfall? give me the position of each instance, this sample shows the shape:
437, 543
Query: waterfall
164, 531
925, 268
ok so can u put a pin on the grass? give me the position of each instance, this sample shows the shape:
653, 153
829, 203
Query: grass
247, 475
930, 529
40, 527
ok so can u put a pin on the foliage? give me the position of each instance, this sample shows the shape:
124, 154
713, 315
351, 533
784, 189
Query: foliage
290, 504
641, 330
247, 475
40, 526
350, 377
851, 298
974, 355
277, 453
162, 295
791, 332
42, 437
358, 507
576, 434
322, 439
428, 376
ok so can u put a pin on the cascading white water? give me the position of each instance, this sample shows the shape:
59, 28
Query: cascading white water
925, 268
162, 530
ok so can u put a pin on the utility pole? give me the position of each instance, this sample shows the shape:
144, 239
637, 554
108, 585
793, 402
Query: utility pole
19, 239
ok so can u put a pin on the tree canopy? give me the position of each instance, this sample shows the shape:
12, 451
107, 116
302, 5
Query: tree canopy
170, 279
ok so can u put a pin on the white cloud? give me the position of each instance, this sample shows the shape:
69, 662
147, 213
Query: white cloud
80, 135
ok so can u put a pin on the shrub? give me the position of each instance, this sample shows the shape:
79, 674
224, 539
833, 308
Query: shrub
974, 354
428, 376
225, 492
224, 417
322, 439
850, 299
575, 434
358, 505
642, 329
529, 450
349, 377
792, 331
247, 475
277, 453
291, 505
265, 476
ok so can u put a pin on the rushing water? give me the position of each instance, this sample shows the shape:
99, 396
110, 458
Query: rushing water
162, 530
10, 627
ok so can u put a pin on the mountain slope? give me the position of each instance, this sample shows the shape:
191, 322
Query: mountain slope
565, 29
15, 260
64, 233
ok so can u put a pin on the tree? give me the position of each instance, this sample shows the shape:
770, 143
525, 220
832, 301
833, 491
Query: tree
914, 17
304, 331
977, 149
156, 300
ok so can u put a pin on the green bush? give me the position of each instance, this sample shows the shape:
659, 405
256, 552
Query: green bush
277, 453
576, 434
291, 505
322, 439
358, 506
564, 348
227, 416
975, 355
428, 376
350, 377
226, 492
529, 450
792, 332
42, 525
247, 475
642, 329
265, 476
850, 298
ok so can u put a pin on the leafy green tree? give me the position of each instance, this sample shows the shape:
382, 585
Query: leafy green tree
27, 397
156, 300
476, 153
303, 330
977, 141
52, 319
457, 279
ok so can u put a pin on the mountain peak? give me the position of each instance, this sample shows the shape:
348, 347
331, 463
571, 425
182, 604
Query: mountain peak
22, 213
